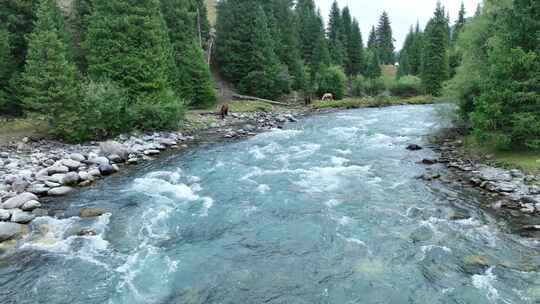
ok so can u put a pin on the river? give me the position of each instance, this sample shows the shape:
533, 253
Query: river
327, 210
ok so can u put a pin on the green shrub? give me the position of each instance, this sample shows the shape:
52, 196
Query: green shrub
407, 86
158, 112
332, 80
374, 86
358, 86
103, 113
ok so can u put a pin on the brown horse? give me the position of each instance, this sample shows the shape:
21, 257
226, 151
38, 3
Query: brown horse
224, 111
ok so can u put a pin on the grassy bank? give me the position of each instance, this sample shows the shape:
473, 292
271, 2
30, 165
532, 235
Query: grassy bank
528, 161
371, 102
21, 127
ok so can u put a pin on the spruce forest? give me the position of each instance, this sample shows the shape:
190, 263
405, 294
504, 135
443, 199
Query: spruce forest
96, 68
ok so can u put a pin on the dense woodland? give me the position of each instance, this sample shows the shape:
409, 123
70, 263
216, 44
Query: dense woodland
108, 66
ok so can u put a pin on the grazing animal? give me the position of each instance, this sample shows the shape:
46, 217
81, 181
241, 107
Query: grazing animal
224, 111
328, 96
307, 100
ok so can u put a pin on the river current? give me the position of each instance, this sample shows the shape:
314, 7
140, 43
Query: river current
327, 210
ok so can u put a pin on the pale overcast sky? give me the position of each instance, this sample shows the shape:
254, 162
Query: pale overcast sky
403, 13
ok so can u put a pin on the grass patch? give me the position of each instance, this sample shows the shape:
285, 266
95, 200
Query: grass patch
245, 106
371, 102
389, 73
19, 128
528, 161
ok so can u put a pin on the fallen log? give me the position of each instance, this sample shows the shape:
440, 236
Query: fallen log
246, 97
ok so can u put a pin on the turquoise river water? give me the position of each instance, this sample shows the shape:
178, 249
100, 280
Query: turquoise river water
327, 210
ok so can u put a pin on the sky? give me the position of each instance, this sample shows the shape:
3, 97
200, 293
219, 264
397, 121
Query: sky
403, 13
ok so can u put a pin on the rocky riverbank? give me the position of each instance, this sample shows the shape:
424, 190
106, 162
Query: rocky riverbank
511, 193
34, 171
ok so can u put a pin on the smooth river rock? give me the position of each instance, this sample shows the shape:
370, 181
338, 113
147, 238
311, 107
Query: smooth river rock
30, 205
22, 217
64, 190
106, 169
71, 164
5, 215
91, 212
70, 179
9, 230
19, 200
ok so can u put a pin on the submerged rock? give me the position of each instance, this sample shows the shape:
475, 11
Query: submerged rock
421, 234
91, 212
10, 230
414, 147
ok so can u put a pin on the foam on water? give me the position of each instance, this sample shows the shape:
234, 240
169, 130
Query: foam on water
322, 179
485, 283
168, 187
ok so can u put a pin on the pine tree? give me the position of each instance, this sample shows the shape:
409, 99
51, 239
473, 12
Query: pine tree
385, 41
201, 19
193, 79
311, 33
460, 23
288, 48
347, 40
245, 50
6, 69
121, 49
435, 59
372, 40
335, 34
18, 18
478, 11
404, 59
356, 51
415, 52
128, 44
50, 79
507, 111
82, 11
373, 68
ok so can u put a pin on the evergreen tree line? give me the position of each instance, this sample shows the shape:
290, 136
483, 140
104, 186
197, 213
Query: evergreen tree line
497, 84
105, 67
267, 48
427, 54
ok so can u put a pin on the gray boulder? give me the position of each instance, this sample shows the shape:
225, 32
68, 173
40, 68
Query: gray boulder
106, 169
21, 217
77, 157
19, 200
31, 205
4, 215
115, 158
113, 147
9, 231
70, 179
494, 174
59, 191
71, 164
84, 176
19, 185
38, 189
57, 169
